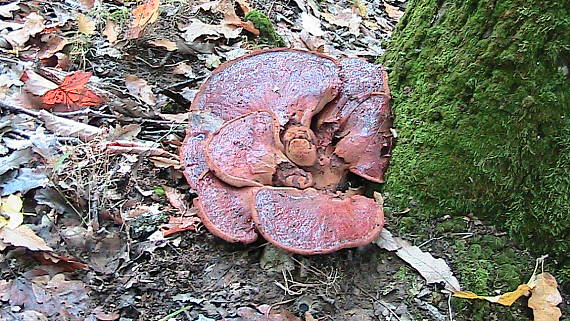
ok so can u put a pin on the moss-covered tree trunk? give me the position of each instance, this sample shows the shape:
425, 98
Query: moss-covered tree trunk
481, 99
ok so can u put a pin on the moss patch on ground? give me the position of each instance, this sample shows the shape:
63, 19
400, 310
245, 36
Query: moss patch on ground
267, 33
481, 99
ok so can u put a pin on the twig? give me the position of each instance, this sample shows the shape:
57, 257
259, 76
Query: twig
449, 306
175, 313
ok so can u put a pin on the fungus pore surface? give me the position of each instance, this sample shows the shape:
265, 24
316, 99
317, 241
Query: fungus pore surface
271, 138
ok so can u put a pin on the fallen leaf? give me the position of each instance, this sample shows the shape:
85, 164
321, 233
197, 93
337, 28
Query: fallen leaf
54, 44
141, 147
85, 25
12, 207
244, 5
545, 298
165, 162
250, 314
140, 88
15, 159
100, 314
506, 299
33, 25
393, 11
226, 7
311, 24
68, 127
6, 9
165, 43
184, 69
197, 29
145, 13
111, 31
26, 180
431, 269
37, 84
361, 8
345, 18
64, 263
23, 236
54, 297
72, 93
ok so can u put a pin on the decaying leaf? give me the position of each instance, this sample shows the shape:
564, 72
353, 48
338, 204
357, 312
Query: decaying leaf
37, 84
164, 43
56, 298
506, 299
33, 25
431, 269
15, 159
545, 298
23, 236
146, 13
140, 88
85, 25
72, 93
111, 31
345, 18
393, 11
69, 127
25, 180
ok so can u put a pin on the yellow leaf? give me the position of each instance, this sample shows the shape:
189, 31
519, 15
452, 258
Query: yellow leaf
12, 204
85, 25
12, 207
506, 299
545, 298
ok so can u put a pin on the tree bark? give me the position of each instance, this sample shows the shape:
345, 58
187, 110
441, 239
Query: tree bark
481, 99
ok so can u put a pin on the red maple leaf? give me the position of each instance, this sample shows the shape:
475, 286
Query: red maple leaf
72, 93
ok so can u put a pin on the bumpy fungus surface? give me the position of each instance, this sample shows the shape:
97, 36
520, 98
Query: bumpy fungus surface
272, 137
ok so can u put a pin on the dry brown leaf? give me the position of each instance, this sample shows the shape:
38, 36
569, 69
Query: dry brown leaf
184, 69
69, 127
85, 25
23, 236
54, 44
431, 269
165, 43
140, 88
393, 11
545, 298
111, 31
345, 18
33, 25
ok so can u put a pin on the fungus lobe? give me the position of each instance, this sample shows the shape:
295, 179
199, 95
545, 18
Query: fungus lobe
272, 136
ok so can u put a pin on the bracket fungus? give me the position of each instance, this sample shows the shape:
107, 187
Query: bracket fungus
271, 140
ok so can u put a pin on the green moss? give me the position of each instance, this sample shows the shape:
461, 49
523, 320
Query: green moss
453, 225
482, 111
267, 35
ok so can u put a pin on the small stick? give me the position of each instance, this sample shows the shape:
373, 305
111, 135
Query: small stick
175, 313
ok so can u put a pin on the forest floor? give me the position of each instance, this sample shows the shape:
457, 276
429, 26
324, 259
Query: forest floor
112, 235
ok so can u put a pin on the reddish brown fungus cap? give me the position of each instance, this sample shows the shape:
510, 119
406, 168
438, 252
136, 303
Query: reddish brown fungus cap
289, 118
